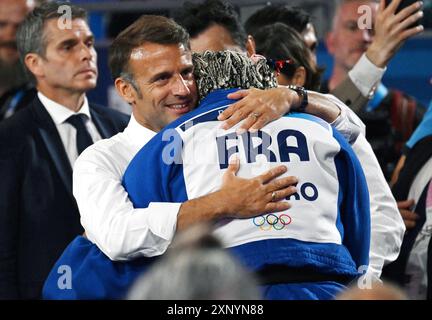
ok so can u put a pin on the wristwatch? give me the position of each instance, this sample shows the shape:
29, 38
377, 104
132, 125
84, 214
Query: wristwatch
303, 96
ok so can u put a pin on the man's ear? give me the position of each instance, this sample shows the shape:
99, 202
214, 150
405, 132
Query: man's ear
125, 90
250, 45
299, 77
34, 63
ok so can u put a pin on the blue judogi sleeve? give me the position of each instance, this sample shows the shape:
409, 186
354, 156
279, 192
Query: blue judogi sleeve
354, 223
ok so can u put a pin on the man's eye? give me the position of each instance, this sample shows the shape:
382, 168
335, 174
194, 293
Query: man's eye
352, 27
187, 74
162, 79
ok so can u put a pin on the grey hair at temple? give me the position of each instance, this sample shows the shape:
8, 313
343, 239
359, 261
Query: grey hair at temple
230, 69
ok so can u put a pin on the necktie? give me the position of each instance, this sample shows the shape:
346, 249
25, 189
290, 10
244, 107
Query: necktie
83, 138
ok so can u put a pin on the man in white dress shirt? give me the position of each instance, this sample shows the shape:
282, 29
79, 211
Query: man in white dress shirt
156, 80
40, 143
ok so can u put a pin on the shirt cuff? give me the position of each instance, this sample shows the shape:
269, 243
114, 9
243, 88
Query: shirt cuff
366, 76
347, 123
162, 220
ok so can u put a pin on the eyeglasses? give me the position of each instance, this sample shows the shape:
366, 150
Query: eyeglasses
278, 65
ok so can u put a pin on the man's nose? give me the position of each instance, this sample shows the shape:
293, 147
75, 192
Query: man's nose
87, 53
180, 86
366, 35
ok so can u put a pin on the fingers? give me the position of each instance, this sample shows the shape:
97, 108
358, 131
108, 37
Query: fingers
233, 166
277, 206
410, 218
235, 115
381, 6
408, 22
256, 108
281, 194
409, 215
247, 123
253, 121
281, 183
407, 204
409, 224
259, 124
408, 11
391, 8
250, 121
272, 174
228, 112
411, 32
240, 94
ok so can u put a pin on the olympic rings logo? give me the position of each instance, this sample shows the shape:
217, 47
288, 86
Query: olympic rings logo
271, 220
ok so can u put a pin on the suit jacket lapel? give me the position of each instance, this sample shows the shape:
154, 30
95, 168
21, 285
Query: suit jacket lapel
53, 143
101, 123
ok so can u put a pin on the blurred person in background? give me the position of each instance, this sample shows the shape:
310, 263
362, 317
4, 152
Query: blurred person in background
377, 291
196, 267
15, 89
356, 74
391, 116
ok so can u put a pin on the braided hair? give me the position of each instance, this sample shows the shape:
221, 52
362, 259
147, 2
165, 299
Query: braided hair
230, 69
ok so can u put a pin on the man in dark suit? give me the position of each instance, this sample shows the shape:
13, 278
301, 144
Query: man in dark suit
39, 145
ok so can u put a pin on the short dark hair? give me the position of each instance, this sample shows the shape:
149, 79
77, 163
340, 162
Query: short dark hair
294, 17
197, 17
148, 28
31, 37
281, 42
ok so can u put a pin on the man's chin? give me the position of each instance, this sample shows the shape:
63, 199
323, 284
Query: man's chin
88, 85
355, 57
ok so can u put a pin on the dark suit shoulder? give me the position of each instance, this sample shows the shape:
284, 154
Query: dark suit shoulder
16, 128
114, 114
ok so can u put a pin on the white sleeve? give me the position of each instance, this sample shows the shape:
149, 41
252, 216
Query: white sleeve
387, 226
366, 76
108, 216
347, 123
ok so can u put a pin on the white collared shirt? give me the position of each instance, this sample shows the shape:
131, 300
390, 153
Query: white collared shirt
366, 76
67, 132
107, 215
